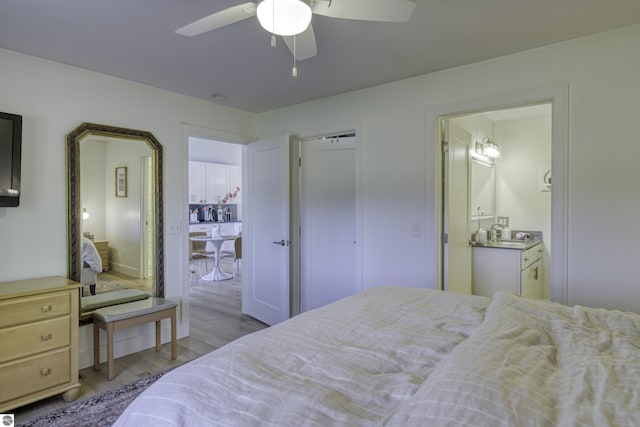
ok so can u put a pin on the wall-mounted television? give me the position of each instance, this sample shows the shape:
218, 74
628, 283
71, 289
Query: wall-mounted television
10, 154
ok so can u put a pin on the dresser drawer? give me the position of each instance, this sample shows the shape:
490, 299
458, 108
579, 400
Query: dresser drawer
33, 374
35, 308
34, 338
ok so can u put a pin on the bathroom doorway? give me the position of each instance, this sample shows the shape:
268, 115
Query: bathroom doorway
555, 97
479, 188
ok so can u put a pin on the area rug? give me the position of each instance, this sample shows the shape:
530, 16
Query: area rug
104, 286
101, 410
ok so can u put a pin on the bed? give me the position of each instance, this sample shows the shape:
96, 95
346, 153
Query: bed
399, 356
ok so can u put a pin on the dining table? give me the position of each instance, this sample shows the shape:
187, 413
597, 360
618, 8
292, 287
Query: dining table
216, 242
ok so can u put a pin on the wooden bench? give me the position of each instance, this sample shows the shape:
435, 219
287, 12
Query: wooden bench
123, 316
90, 303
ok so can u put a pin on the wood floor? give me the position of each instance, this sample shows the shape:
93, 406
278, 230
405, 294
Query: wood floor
216, 319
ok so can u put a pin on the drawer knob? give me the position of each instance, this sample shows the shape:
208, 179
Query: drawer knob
45, 371
46, 308
46, 337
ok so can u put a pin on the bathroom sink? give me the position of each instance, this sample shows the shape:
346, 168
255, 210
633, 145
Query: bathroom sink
509, 244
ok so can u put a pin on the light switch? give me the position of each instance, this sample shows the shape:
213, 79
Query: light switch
416, 229
175, 227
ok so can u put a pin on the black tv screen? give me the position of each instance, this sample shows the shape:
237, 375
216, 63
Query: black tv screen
10, 154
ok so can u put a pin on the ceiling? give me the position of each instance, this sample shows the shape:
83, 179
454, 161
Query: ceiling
135, 40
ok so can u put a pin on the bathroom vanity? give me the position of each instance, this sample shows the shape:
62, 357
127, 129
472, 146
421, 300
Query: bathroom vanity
514, 266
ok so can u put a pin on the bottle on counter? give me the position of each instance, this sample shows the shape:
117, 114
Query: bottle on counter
481, 236
506, 233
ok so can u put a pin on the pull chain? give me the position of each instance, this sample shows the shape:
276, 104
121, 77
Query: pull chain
294, 71
273, 24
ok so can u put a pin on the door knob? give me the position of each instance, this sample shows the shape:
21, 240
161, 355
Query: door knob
283, 242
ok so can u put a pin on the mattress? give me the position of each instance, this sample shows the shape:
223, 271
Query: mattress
413, 357
348, 363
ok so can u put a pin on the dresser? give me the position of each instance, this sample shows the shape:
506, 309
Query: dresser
39, 336
102, 246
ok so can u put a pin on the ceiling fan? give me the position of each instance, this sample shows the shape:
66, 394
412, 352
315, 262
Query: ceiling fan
291, 19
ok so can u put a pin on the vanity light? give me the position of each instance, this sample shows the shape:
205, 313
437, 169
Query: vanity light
284, 17
85, 214
488, 148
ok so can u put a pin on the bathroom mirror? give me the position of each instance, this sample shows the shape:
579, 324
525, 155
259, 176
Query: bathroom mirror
483, 190
115, 197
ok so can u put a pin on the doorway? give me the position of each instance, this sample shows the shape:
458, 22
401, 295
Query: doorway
507, 187
557, 97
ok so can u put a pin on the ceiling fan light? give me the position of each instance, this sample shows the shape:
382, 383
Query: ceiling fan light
290, 17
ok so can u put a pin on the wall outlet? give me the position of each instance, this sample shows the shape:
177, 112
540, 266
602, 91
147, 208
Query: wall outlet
416, 229
503, 221
175, 227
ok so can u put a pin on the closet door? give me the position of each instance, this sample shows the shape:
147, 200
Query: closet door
328, 262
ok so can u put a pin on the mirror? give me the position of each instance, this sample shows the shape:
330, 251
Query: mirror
114, 178
483, 189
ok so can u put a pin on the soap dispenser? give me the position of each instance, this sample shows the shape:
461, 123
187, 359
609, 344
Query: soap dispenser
481, 236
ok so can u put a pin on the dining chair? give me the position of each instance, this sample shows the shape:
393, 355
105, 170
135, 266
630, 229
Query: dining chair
238, 247
236, 254
198, 252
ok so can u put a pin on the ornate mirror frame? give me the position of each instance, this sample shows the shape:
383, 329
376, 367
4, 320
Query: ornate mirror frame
74, 243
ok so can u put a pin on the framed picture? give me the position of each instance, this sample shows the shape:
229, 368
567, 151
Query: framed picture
121, 181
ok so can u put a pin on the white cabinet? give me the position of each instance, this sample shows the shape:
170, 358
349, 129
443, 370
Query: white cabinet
219, 176
196, 182
508, 269
531, 281
235, 182
209, 182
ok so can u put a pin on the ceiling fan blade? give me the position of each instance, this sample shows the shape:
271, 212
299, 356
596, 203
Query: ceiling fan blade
305, 44
366, 10
219, 19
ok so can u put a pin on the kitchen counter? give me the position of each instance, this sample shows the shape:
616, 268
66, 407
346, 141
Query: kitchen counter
214, 222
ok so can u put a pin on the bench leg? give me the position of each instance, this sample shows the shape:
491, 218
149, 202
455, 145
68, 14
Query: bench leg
110, 369
96, 346
158, 341
174, 343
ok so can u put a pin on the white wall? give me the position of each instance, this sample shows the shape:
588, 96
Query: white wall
603, 195
92, 189
54, 99
526, 146
123, 227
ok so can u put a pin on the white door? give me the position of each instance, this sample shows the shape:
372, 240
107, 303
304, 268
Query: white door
265, 242
327, 221
457, 216
148, 215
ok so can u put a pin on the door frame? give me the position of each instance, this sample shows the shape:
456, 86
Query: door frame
558, 96
194, 131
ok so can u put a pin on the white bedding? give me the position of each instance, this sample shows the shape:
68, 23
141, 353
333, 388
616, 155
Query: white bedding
535, 363
413, 357
349, 363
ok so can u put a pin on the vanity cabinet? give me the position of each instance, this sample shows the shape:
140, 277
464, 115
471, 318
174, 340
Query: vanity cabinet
508, 269
39, 332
